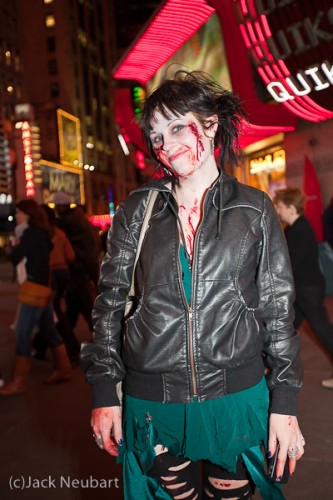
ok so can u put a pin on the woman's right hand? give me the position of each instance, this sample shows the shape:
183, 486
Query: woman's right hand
107, 425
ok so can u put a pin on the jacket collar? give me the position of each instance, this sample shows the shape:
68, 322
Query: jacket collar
161, 184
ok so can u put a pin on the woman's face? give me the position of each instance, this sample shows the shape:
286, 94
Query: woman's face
181, 143
20, 216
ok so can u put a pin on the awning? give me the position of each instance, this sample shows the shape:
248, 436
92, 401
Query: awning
169, 28
173, 24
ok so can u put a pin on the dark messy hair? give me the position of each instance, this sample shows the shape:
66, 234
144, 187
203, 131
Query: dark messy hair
37, 216
198, 93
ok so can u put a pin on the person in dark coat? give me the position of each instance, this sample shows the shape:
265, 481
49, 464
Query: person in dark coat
309, 281
328, 223
84, 270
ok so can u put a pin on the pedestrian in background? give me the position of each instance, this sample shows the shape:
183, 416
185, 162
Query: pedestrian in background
213, 290
328, 223
309, 281
81, 290
35, 245
61, 256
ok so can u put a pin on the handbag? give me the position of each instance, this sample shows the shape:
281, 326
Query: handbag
129, 299
34, 294
149, 208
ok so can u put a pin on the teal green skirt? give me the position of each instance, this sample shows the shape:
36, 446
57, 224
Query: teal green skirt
220, 430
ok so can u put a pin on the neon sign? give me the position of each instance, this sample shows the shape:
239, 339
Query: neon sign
102, 221
304, 86
274, 161
302, 41
27, 160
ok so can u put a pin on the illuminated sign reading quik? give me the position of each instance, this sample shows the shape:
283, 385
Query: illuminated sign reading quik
279, 35
311, 79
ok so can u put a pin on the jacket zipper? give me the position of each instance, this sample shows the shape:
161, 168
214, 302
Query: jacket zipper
190, 311
192, 363
191, 353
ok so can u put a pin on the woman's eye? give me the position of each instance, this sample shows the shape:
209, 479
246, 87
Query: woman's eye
177, 128
156, 140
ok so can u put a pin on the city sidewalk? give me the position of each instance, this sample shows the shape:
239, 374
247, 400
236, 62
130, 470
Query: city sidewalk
48, 451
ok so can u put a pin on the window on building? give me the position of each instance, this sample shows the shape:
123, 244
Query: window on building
54, 89
17, 63
53, 67
49, 21
8, 55
51, 43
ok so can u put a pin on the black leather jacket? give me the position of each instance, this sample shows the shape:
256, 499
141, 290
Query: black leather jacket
242, 295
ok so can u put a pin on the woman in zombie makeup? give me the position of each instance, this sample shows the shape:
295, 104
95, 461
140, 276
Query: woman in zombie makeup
213, 294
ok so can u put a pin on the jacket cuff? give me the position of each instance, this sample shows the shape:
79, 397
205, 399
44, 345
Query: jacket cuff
104, 394
284, 400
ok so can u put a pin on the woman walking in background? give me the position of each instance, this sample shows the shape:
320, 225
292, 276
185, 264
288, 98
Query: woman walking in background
35, 246
61, 256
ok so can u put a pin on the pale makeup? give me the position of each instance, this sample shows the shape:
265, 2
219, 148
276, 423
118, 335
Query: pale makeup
184, 146
180, 143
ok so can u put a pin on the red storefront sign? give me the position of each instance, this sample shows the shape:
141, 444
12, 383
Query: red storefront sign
291, 44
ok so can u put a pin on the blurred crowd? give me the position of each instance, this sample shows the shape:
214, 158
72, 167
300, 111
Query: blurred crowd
56, 253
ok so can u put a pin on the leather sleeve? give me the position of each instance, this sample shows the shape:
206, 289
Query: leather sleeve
101, 360
276, 296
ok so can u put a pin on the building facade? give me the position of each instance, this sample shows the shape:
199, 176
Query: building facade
57, 127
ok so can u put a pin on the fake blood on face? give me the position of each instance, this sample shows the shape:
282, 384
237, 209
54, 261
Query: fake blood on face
200, 147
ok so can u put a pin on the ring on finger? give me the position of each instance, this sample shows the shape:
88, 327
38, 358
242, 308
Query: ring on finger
292, 453
99, 441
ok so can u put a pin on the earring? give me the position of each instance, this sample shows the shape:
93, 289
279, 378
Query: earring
212, 146
160, 167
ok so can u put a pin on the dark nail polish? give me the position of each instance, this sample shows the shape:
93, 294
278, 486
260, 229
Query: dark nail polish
120, 442
269, 454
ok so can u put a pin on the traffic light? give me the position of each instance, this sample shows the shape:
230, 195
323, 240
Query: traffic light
138, 97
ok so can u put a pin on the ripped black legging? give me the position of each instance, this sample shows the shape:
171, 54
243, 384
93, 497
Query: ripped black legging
200, 480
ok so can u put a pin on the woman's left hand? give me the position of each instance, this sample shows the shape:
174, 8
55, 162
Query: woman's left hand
285, 430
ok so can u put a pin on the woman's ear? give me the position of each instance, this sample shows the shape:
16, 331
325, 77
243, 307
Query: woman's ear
211, 125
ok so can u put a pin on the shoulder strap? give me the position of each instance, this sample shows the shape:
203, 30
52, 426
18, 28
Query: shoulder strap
149, 208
